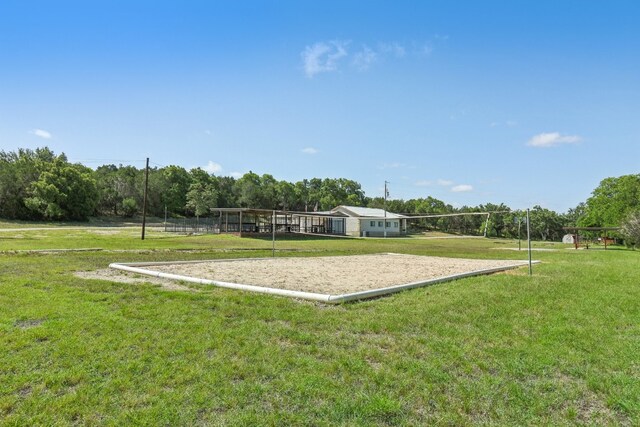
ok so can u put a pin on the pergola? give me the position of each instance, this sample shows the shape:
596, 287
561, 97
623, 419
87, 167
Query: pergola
575, 231
251, 221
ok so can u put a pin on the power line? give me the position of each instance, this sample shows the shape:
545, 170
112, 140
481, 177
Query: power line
107, 160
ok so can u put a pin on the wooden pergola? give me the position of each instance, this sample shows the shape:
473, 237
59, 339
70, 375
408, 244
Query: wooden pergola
575, 231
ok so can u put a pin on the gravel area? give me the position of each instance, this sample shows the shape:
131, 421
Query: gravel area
334, 275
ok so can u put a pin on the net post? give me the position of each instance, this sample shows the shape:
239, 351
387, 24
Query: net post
529, 242
273, 234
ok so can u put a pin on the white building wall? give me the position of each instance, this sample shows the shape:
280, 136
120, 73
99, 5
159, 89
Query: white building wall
352, 226
375, 227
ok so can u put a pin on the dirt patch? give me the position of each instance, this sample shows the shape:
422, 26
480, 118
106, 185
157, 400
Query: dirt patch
525, 249
104, 231
28, 323
131, 278
333, 275
52, 251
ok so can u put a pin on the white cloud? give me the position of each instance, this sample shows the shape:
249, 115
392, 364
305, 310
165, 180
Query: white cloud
323, 57
213, 167
41, 133
392, 165
552, 139
462, 188
236, 175
309, 150
363, 59
444, 182
423, 183
393, 48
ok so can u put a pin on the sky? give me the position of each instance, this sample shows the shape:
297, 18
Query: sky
471, 102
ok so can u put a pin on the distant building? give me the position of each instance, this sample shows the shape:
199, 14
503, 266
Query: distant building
342, 220
370, 222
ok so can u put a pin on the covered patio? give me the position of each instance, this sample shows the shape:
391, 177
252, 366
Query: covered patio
245, 221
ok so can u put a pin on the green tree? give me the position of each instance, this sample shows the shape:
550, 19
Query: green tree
63, 191
514, 224
573, 215
286, 195
109, 199
498, 222
612, 201
630, 229
268, 192
176, 182
335, 192
248, 190
301, 189
201, 198
432, 206
314, 194
116, 184
18, 171
202, 195
227, 197
545, 223
11, 202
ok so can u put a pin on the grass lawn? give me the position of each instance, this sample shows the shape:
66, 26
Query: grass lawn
559, 348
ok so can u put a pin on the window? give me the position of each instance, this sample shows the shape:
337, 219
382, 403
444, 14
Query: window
380, 224
372, 223
395, 224
388, 224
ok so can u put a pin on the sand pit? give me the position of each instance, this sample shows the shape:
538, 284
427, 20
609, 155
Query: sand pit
329, 279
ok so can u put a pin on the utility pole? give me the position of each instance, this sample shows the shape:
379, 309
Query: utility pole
144, 201
386, 194
165, 217
529, 241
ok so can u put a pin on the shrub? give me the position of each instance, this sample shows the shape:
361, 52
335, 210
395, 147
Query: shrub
631, 229
129, 207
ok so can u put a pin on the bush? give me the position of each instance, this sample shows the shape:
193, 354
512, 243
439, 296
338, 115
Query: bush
129, 207
631, 229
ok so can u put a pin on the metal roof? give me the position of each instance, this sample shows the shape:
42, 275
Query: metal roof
360, 212
267, 212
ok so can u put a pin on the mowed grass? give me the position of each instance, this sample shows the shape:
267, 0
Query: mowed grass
559, 348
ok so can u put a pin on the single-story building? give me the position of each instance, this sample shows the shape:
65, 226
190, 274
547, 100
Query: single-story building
342, 220
371, 222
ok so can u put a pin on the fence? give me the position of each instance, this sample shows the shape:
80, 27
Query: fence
191, 226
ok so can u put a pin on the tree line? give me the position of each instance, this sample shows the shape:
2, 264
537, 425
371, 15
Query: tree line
40, 185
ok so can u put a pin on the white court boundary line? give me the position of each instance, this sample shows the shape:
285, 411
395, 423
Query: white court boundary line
138, 267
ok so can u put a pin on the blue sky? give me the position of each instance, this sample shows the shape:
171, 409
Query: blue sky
520, 102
